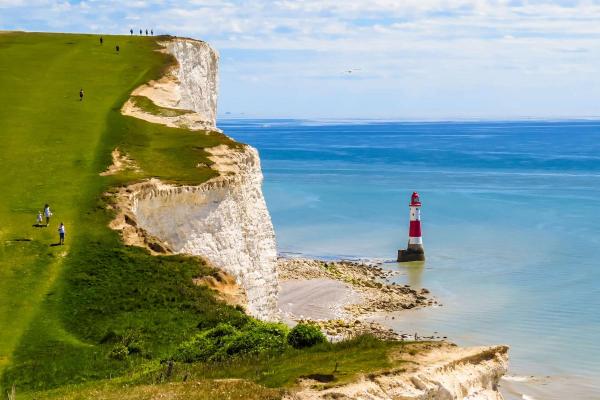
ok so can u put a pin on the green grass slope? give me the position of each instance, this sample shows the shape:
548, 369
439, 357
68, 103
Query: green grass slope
57, 302
96, 315
49, 153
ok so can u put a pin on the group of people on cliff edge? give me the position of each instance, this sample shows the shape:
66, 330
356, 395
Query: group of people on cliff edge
142, 32
48, 214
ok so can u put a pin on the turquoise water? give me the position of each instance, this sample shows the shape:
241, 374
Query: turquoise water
511, 225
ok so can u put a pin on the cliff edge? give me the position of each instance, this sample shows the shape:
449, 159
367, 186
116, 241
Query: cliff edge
225, 220
444, 372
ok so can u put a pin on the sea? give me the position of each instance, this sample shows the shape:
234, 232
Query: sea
511, 228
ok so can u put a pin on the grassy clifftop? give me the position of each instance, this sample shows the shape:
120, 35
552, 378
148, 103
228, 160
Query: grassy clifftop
63, 309
57, 302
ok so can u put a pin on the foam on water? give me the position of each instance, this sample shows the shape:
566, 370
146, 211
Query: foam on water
514, 378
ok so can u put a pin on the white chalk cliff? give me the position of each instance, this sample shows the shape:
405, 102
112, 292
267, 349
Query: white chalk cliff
198, 77
224, 220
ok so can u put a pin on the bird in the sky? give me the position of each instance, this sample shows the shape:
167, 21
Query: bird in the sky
349, 71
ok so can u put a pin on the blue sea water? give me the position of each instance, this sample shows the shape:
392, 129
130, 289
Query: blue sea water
511, 224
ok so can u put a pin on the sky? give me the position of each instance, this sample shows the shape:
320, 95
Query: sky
409, 59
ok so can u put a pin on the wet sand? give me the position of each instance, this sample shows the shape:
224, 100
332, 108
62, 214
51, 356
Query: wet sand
316, 299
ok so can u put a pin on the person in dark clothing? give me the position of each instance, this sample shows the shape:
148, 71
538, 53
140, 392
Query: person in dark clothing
146, 32
101, 40
117, 48
131, 31
80, 94
140, 31
152, 32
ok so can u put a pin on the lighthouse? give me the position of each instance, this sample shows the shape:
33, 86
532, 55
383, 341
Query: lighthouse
414, 251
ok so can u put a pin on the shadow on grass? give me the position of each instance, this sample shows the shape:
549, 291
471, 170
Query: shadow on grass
323, 378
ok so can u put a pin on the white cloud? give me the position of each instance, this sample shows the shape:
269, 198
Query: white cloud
419, 48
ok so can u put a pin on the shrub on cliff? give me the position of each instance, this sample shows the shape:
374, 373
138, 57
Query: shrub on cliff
304, 335
119, 352
256, 338
226, 341
198, 348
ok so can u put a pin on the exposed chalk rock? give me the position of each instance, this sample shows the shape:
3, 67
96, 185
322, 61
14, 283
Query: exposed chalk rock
224, 220
198, 76
447, 373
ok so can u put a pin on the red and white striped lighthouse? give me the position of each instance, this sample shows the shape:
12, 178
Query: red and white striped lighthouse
414, 251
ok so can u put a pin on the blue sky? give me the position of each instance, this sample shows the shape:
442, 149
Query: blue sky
412, 59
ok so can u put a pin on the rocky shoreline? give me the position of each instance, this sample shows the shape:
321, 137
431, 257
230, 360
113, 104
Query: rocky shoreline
376, 293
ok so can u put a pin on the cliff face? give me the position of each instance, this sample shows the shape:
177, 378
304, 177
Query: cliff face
198, 77
444, 374
225, 220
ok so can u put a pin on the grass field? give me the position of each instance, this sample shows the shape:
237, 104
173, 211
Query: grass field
52, 148
62, 306
56, 302
266, 377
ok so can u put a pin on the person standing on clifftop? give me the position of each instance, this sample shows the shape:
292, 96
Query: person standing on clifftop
101, 40
117, 48
140, 31
131, 31
47, 213
146, 32
152, 32
80, 94
61, 234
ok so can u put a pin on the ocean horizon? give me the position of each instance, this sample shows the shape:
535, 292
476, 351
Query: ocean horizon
232, 119
510, 227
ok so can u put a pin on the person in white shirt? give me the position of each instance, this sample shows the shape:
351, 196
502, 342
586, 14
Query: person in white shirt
47, 213
39, 219
61, 233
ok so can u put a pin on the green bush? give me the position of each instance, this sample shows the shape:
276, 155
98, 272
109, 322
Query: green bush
256, 338
199, 348
226, 341
131, 340
119, 352
304, 335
